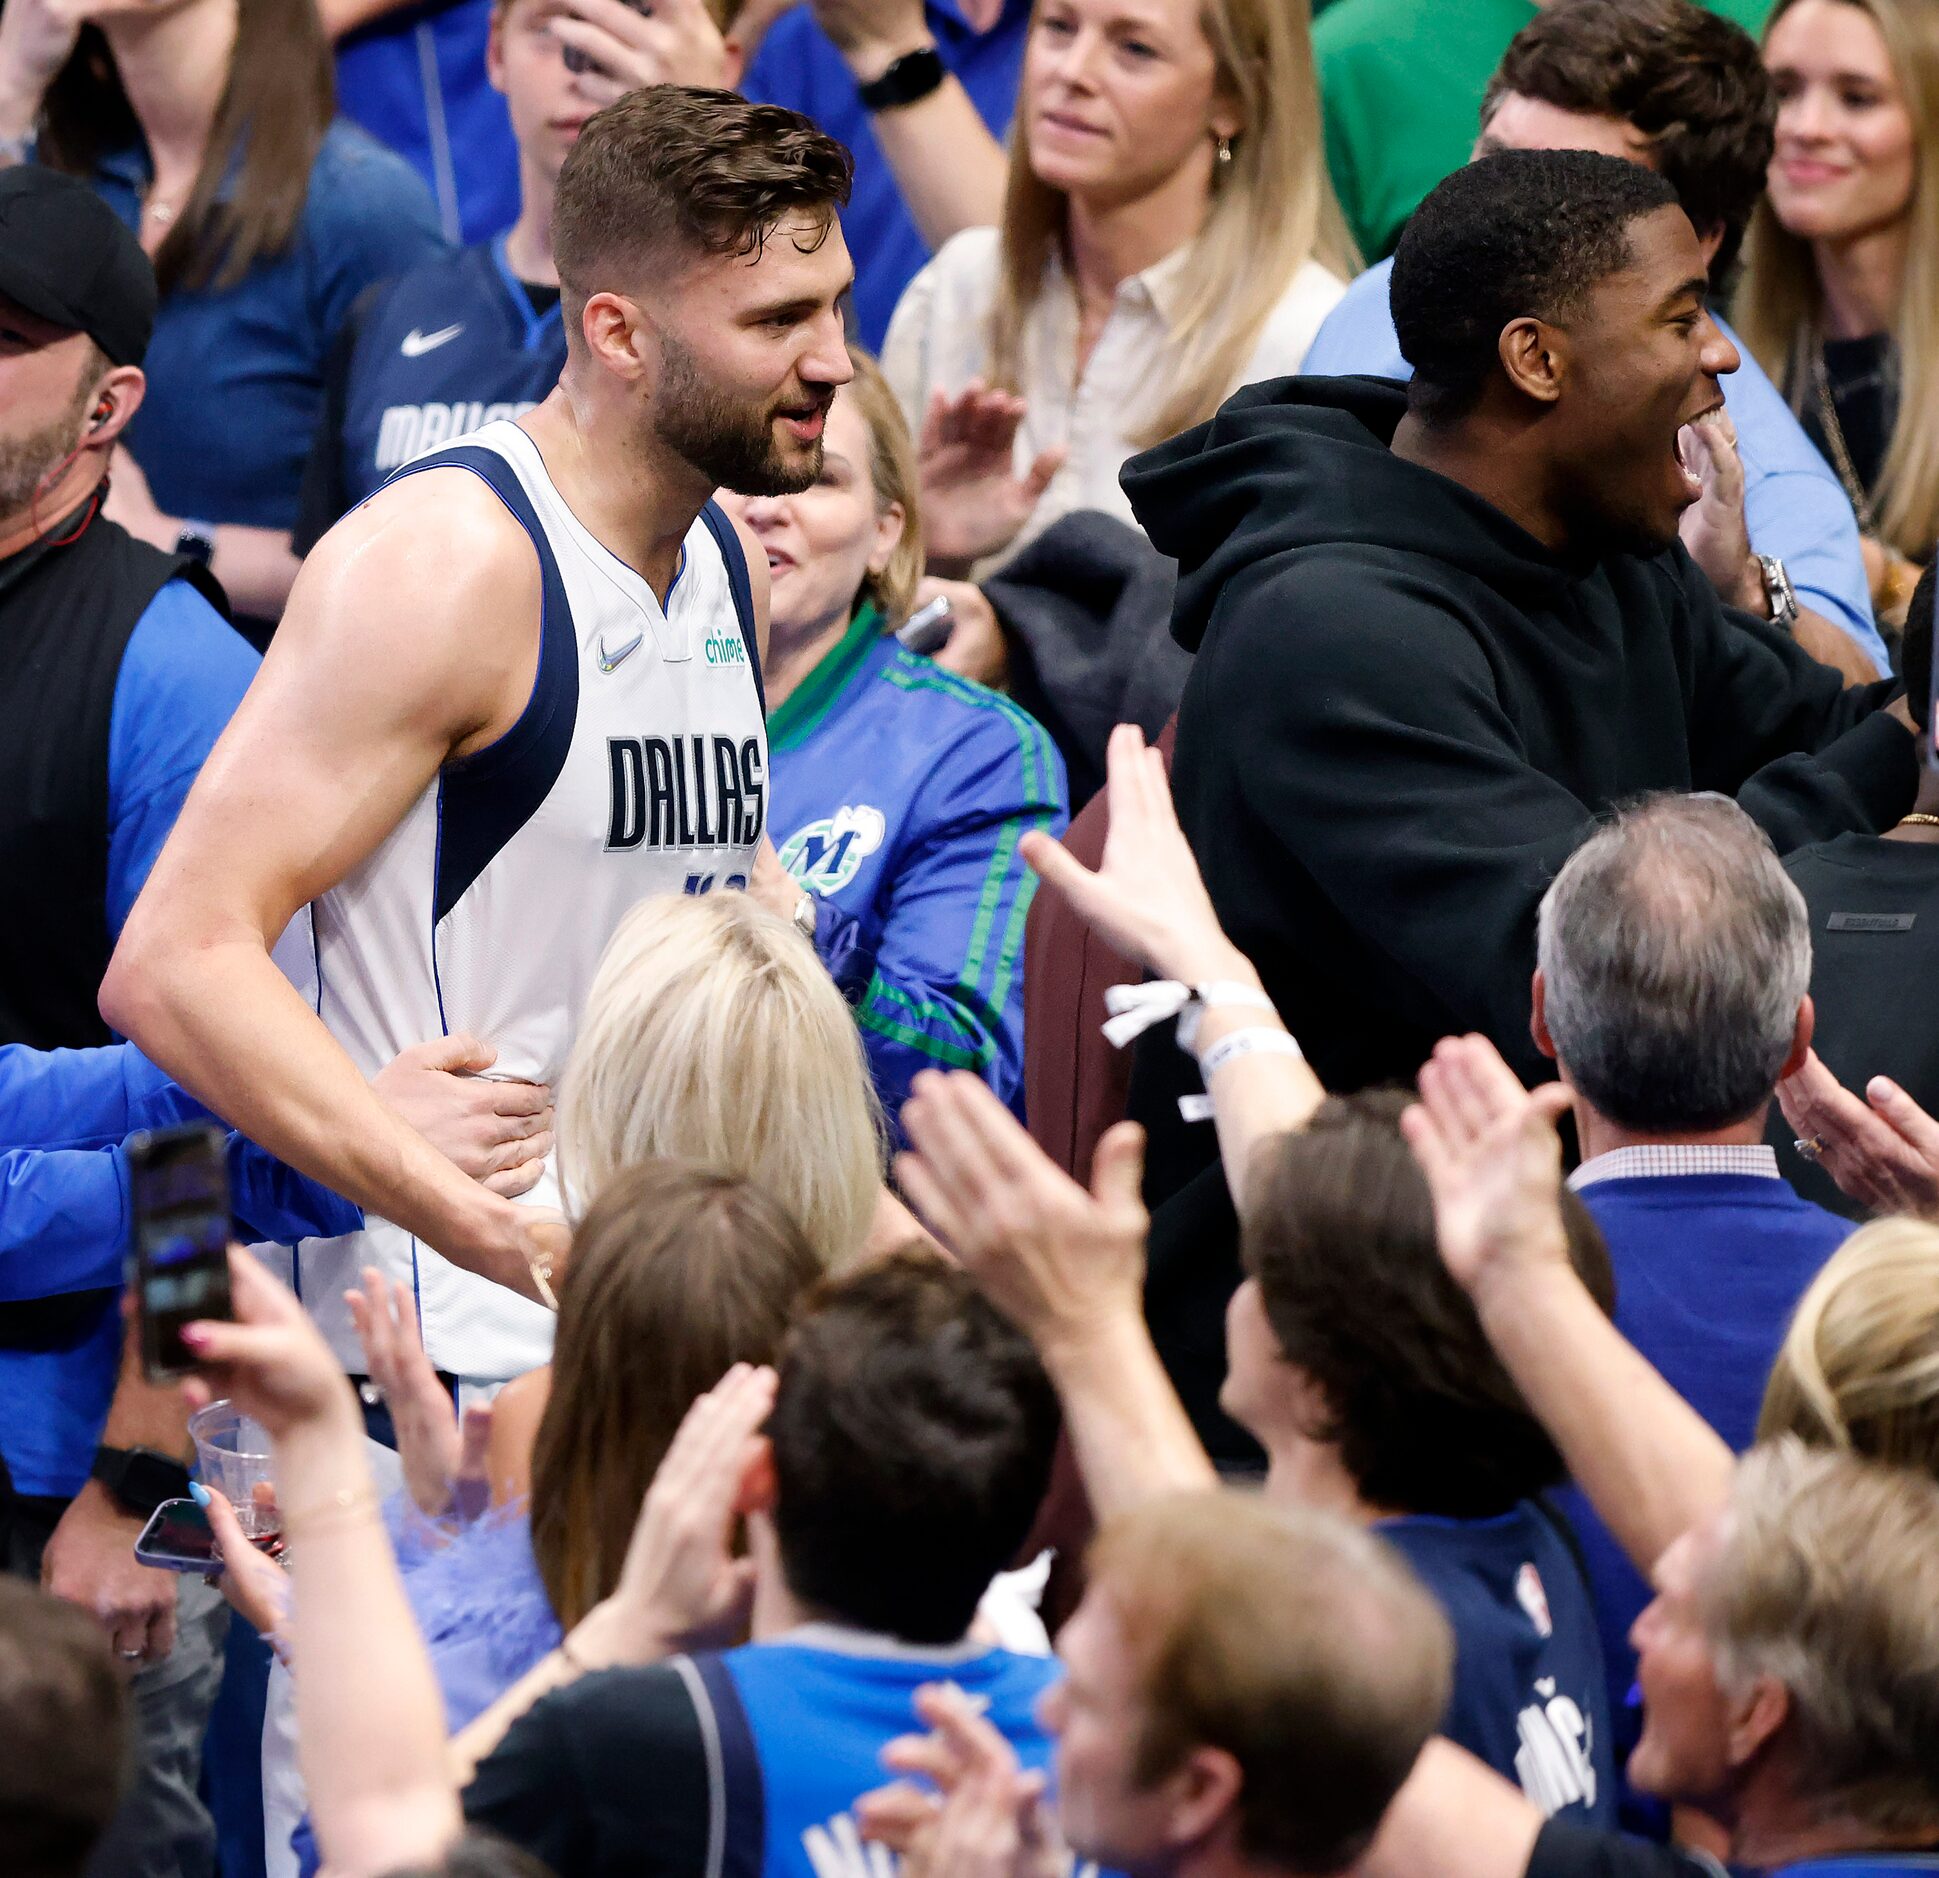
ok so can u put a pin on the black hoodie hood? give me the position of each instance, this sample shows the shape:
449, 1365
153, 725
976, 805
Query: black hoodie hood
1295, 463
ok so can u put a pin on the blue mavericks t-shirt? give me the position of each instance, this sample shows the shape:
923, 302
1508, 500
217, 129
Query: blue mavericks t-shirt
442, 350
745, 1764
1529, 1697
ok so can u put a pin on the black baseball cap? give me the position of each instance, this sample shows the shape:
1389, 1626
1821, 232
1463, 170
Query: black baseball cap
67, 258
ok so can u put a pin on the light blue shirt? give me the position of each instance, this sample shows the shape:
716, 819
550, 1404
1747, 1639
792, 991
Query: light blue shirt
1793, 506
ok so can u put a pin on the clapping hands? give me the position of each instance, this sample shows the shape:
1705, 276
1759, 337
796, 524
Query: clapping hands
681, 1586
444, 1461
989, 1818
1493, 1164
973, 500
1059, 1262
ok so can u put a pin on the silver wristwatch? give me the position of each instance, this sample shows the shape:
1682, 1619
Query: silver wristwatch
1780, 595
806, 916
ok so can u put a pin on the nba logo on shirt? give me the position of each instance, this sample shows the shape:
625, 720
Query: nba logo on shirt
827, 854
1534, 1599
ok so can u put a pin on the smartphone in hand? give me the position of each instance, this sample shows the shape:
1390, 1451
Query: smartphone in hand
179, 1256
178, 1538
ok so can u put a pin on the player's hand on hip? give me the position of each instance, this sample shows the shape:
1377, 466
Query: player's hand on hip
497, 1130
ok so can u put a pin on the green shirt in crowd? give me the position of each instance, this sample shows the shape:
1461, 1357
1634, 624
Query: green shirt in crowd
1401, 84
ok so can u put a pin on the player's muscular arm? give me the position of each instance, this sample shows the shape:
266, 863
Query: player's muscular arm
412, 635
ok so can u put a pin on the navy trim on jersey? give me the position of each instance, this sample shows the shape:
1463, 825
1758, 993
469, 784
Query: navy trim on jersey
484, 799
737, 1815
727, 539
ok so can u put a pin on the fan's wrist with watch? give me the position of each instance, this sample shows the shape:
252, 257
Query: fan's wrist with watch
1779, 597
806, 917
139, 1479
897, 76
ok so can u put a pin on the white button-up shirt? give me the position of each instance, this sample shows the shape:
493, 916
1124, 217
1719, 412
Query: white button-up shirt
940, 339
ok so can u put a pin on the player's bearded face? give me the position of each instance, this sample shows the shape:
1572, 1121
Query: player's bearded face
738, 443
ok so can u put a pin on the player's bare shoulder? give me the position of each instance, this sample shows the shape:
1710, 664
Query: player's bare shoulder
432, 583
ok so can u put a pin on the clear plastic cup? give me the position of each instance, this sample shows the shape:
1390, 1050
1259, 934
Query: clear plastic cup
233, 1455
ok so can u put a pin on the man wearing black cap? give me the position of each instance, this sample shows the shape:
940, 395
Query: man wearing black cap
120, 670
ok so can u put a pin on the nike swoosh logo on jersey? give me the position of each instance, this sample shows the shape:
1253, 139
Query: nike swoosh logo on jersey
611, 661
416, 344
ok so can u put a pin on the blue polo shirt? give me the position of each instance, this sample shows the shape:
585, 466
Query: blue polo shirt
415, 79
1793, 504
799, 67
1709, 1267
235, 374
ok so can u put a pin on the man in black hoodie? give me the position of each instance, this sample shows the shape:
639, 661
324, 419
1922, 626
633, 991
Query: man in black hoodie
1439, 629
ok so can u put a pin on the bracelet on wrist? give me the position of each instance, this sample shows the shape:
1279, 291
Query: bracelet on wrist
1254, 1040
348, 1506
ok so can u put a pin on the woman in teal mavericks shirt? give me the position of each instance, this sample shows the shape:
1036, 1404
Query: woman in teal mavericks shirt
898, 790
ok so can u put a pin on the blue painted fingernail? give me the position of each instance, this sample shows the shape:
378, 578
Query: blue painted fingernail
200, 1492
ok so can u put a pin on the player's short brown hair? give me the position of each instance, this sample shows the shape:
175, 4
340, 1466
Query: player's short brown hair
674, 173
1300, 1645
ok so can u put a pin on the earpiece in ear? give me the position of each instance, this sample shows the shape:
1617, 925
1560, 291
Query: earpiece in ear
102, 412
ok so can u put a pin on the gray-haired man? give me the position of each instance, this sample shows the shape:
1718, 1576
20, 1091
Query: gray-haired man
1673, 957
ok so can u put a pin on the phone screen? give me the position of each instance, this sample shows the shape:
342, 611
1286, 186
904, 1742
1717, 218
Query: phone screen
178, 1539
182, 1229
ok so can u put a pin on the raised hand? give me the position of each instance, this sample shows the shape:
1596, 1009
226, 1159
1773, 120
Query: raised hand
1147, 896
36, 37
973, 501
1883, 1151
666, 42
681, 1586
1059, 1262
497, 1130
1493, 1163
444, 1463
1713, 527
986, 1817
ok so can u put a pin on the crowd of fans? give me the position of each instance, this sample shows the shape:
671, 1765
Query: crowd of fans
1147, 1091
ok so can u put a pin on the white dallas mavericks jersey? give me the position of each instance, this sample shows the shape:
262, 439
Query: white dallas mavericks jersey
638, 767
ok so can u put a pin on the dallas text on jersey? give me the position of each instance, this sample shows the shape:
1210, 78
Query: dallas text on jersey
685, 792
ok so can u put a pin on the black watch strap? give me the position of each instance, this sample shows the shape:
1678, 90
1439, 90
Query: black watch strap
914, 75
139, 1478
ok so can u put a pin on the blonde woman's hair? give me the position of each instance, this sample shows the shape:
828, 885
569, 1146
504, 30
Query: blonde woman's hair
1779, 306
713, 1035
892, 469
1859, 1367
1271, 211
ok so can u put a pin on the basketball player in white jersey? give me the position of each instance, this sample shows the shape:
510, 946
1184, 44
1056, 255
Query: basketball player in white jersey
514, 693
